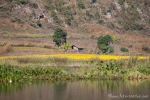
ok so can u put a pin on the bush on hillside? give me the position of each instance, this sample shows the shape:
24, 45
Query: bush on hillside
39, 23
65, 47
124, 49
93, 1
34, 5
81, 5
55, 18
100, 22
22, 1
146, 49
121, 2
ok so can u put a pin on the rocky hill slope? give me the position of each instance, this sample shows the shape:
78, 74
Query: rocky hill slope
118, 15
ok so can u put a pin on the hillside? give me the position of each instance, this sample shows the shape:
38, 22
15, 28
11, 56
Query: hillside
83, 20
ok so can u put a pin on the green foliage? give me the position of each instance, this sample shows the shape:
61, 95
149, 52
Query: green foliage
58, 4
121, 2
104, 40
89, 15
39, 23
109, 49
68, 14
65, 47
37, 69
114, 38
131, 25
102, 47
92, 37
106, 49
48, 47
49, 6
137, 27
119, 22
146, 49
93, 1
124, 49
22, 1
59, 37
103, 44
100, 22
55, 18
97, 16
34, 5
81, 5
104, 11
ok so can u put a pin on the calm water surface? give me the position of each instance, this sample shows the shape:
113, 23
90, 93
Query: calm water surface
80, 90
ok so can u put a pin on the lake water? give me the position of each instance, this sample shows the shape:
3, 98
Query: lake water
78, 90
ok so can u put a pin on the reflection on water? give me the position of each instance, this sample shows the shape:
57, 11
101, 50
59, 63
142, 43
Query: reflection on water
80, 90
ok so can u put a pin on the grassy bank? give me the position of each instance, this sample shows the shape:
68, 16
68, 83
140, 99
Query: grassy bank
64, 69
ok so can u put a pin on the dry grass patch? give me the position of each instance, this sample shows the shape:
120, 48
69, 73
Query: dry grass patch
26, 35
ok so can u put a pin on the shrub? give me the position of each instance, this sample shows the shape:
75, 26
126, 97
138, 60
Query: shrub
93, 1
114, 38
104, 10
34, 5
109, 49
81, 5
146, 49
92, 37
97, 16
48, 47
89, 15
39, 23
137, 27
121, 2
22, 1
30, 45
55, 18
100, 22
65, 47
124, 49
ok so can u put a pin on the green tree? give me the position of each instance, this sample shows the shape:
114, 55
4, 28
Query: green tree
104, 40
59, 37
103, 43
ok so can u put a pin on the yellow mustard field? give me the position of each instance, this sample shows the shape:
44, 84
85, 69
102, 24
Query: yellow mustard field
77, 56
